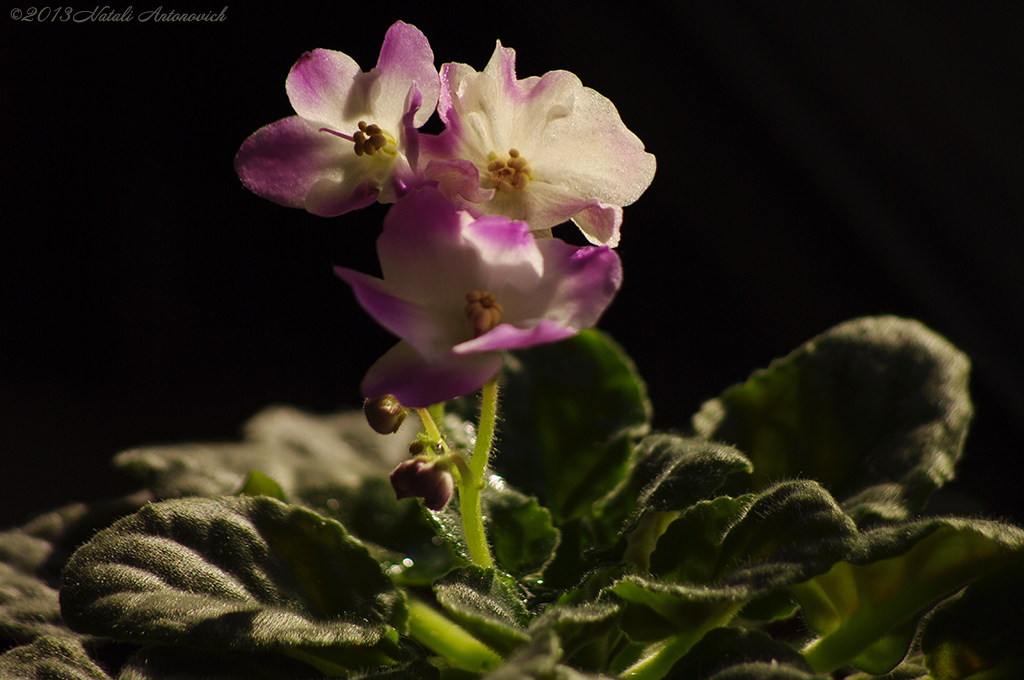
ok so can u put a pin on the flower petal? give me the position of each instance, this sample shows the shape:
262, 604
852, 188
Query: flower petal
546, 205
506, 336
429, 332
431, 251
328, 87
458, 180
284, 160
406, 58
418, 383
578, 285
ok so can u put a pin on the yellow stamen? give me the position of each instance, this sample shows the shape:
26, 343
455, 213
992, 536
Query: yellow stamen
511, 174
483, 311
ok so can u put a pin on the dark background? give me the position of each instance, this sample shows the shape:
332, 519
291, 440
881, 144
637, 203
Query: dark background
817, 162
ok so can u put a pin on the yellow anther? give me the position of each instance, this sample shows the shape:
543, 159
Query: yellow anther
483, 311
370, 139
508, 174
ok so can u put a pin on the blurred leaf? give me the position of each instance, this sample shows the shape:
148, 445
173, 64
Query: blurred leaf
875, 409
979, 630
299, 451
237, 573
487, 603
258, 484
50, 657
177, 663
865, 607
571, 413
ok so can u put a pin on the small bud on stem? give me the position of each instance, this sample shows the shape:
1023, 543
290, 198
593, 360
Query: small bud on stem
384, 413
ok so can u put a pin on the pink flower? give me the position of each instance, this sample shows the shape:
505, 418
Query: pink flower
458, 290
355, 138
544, 150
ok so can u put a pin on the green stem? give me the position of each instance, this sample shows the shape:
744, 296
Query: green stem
485, 431
429, 426
472, 484
442, 636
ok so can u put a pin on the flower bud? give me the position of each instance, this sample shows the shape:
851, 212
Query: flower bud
417, 478
384, 413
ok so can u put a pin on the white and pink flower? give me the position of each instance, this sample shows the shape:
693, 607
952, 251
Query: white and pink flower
458, 290
543, 150
354, 140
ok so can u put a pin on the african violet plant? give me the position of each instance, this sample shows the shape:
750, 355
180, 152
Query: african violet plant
782, 536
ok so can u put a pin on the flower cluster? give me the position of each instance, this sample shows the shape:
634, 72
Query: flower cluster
470, 269
464, 277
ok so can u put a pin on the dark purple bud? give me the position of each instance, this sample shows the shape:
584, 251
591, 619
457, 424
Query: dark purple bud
418, 478
384, 413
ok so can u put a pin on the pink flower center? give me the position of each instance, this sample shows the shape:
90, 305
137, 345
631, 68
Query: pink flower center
483, 311
509, 174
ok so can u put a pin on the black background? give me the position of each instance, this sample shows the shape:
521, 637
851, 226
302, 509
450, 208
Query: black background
817, 162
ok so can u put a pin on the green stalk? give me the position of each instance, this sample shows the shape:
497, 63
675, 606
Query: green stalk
441, 635
472, 484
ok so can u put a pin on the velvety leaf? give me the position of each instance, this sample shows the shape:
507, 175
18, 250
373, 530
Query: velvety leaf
43, 544
242, 573
719, 555
29, 608
740, 653
875, 409
299, 451
60, 657
178, 663
667, 473
522, 536
539, 660
571, 412
979, 630
397, 532
865, 607
486, 603
31, 558
588, 633
783, 535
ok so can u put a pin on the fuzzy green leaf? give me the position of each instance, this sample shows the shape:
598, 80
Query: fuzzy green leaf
242, 573
875, 409
397, 532
572, 412
865, 607
588, 633
783, 535
667, 473
487, 603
